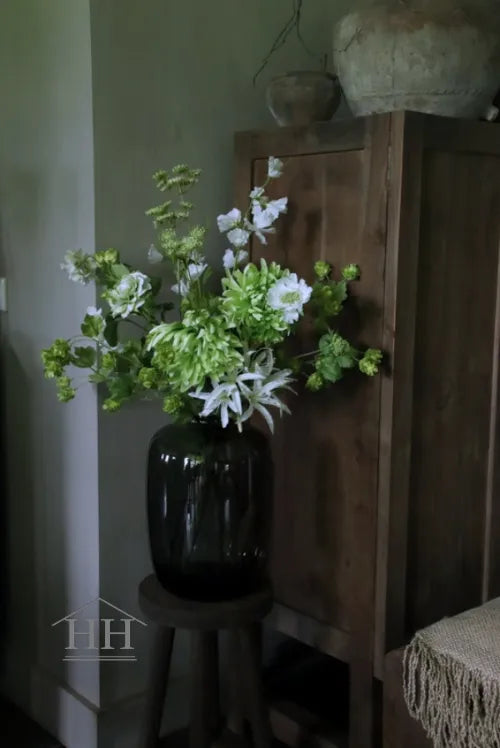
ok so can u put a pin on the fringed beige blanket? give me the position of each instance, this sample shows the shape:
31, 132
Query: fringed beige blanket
452, 679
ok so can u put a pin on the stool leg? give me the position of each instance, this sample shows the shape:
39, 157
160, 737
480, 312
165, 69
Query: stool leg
162, 656
258, 712
236, 718
212, 645
202, 694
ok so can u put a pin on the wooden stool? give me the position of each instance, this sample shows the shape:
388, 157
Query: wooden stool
205, 620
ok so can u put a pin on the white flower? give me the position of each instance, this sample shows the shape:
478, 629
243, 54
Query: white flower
257, 193
238, 237
79, 266
230, 259
261, 394
276, 207
289, 295
180, 288
274, 167
154, 257
129, 295
229, 220
194, 271
92, 311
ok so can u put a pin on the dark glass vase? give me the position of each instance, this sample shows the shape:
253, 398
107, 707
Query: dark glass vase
209, 509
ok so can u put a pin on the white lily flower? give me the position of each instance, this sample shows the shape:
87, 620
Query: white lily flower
128, 296
238, 237
289, 294
274, 167
229, 220
154, 257
231, 260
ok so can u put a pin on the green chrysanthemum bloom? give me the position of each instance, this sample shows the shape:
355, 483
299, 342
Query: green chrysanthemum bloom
370, 362
315, 382
245, 303
322, 269
187, 352
351, 272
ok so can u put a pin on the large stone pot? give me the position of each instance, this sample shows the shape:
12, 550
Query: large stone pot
432, 59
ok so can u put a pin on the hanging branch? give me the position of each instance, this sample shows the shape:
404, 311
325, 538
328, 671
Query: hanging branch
293, 23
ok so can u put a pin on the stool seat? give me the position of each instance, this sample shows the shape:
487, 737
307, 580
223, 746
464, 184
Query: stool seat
166, 609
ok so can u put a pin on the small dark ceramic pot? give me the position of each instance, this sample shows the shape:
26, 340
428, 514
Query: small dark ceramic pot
303, 97
209, 500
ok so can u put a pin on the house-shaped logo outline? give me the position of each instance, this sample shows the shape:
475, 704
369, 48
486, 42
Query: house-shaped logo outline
99, 658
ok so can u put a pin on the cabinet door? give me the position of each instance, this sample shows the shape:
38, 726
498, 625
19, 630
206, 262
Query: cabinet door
326, 453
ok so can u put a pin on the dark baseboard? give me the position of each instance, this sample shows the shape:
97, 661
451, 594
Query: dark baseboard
16, 729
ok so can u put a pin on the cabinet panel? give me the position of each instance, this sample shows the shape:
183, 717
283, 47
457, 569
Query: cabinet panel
454, 350
326, 452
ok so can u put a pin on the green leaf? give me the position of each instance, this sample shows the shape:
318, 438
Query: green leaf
111, 330
92, 326
84, 357
122, 387
118, 271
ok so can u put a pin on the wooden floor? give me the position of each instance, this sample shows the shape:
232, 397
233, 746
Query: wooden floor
17, 730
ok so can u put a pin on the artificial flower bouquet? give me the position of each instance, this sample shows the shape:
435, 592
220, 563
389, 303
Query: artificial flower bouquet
224, 353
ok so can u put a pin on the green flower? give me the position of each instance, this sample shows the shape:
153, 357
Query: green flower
148, 378
370, 362
322, 269
65, 392
106, 257
173, 404
351, 272
111, 405
56, 358
315, 382
335, 355
245, 303
187, 352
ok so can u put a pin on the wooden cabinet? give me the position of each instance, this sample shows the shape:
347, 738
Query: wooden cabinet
387, 501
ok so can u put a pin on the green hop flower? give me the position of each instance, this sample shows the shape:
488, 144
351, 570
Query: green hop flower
351, 272
56, 358
173, 404
65, 392
315, 382
148, 378
322, 269
370, 362
111, 405
106, 257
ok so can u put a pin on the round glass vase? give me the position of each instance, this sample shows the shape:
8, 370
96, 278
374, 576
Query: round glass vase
209, 502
